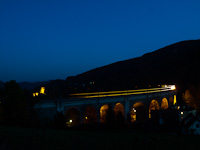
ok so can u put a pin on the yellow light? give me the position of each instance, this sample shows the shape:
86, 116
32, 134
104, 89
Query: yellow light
173, 87
42, 90
178, 107
125, 92
86, 117
114, 92
174, 99
70, 121
36, 94
181, 113
33, 94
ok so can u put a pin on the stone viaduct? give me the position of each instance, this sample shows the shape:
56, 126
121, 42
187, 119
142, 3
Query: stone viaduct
92, 107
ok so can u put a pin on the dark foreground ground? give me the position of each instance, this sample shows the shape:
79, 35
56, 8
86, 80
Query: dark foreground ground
15, 138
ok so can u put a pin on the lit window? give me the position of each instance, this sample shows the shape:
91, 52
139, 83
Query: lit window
42, 90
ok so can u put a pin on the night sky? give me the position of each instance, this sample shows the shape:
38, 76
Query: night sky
44, 40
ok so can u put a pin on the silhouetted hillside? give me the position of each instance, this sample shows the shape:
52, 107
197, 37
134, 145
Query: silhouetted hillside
175, 64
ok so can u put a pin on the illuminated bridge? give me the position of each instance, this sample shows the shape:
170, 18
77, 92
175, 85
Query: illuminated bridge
92, 107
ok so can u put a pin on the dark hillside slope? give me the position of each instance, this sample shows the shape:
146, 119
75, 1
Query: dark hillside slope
175, 64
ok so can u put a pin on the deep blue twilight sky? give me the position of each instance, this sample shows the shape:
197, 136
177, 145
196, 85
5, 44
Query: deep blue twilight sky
51, 39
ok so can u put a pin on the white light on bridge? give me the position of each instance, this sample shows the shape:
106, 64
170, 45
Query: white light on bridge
173, 87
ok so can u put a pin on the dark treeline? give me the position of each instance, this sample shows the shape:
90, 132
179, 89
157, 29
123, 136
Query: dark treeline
16, 105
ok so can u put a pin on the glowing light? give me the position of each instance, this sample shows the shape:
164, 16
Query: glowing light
125, 92
114, 92
174, 99
42, 90
103, 111
36, 94
70, 121
164, 104
86, 117
173, 87
149, 116
178, 107
133, 117
33, 94
181, 113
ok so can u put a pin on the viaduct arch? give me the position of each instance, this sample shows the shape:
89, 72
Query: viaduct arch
88, 108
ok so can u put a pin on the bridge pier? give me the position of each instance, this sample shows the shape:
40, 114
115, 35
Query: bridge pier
127, 99
126, 108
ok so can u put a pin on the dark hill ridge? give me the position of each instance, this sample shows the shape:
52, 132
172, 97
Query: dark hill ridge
174, 64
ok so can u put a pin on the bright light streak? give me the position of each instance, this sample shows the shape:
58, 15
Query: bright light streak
122, 94
126, 92
173, 87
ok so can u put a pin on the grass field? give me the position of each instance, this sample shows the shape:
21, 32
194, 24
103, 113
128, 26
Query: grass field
36, 139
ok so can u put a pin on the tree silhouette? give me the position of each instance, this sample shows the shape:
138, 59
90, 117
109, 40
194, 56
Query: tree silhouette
192, 97
15, 106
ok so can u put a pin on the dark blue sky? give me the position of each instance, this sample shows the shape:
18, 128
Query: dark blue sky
42, 40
